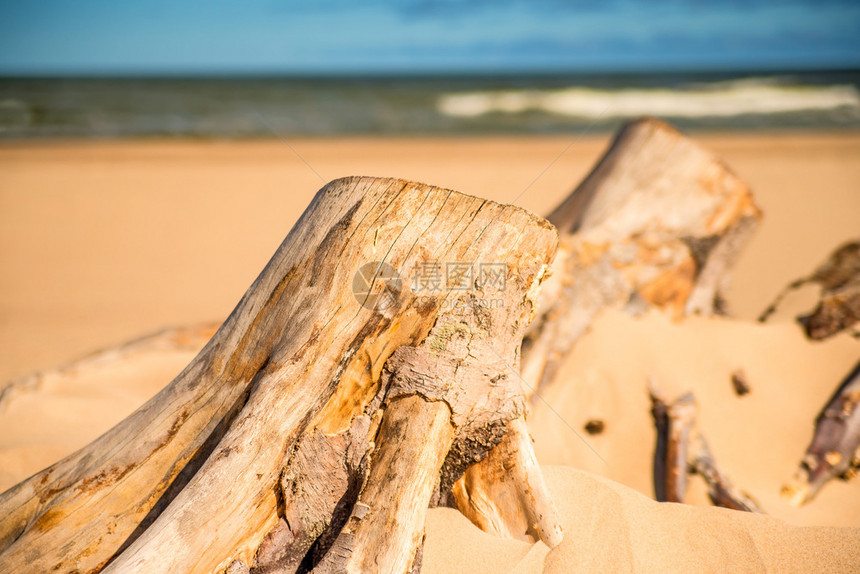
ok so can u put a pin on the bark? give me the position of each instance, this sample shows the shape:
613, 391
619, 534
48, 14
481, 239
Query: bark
833, 452
658, 223
505, 494
221, 470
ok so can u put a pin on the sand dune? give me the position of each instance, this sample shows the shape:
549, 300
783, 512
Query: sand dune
611, 528
758, 438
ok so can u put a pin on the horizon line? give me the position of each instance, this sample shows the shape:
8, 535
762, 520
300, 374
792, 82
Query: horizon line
428, 73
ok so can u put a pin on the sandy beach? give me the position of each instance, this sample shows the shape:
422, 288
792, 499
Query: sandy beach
102, 242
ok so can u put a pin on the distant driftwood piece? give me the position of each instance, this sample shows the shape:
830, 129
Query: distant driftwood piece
674, 423
681, 449
833, 452
332, 406
173, 339
658, 223
838, 307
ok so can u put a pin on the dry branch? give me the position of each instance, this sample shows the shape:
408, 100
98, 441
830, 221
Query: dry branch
721, 491
838, 307
833, 451
681, 449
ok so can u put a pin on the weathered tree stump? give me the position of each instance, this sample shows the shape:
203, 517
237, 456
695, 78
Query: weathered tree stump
328, 410
658, 223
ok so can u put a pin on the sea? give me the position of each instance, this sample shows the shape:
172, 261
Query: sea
254, 107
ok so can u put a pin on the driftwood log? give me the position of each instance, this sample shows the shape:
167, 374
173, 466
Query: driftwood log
658, 223
838, 308
833, 451
681, 450
334, 404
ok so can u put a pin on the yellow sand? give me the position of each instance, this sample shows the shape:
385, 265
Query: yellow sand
100, 243
757, 439
611, 528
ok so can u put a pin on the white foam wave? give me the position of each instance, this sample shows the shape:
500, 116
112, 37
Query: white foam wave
722, 99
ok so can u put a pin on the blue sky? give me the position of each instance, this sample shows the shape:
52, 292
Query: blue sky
385, 36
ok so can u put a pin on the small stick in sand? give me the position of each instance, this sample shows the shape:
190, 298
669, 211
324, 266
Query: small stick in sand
739, 382
720, 489
682, 449
833, 450
673, 421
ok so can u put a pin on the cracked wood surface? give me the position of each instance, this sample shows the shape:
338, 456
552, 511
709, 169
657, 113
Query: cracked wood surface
447, 402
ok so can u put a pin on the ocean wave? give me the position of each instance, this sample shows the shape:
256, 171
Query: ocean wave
723, 99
